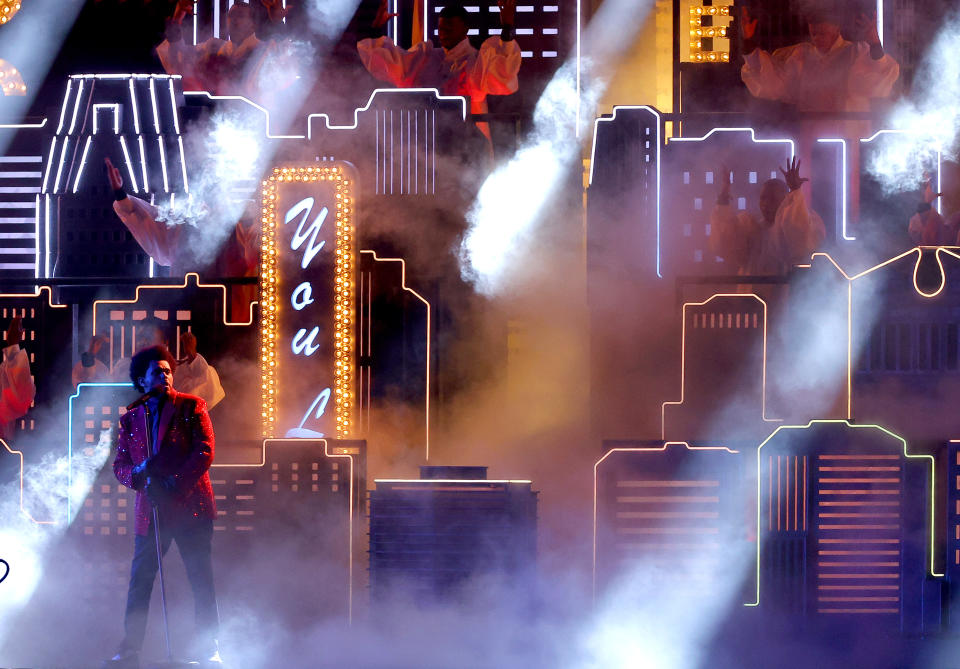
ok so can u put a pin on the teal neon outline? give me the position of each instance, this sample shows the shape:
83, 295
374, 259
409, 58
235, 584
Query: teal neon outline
75, 395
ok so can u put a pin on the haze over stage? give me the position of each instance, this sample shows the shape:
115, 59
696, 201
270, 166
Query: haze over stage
652, 364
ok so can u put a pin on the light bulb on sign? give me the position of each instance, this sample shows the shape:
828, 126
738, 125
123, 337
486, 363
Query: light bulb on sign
11, 83
7, 9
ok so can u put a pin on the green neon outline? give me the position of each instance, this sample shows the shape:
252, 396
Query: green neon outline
851, 425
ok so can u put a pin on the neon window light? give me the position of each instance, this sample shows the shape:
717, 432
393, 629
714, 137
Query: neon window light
76, 108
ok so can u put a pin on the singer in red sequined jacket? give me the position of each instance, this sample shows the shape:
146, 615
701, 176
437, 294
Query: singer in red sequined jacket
186, 441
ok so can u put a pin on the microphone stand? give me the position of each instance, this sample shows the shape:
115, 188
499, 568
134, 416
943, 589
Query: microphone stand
169, 663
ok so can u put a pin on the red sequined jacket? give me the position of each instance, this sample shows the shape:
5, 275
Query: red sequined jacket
186, 440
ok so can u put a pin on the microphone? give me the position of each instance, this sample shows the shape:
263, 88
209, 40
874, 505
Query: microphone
142, 399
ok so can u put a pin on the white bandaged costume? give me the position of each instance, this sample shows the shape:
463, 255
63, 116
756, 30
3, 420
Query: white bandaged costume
185, 60
756, 249
463, 70
170, 245
843, 79
196, 377
16, 388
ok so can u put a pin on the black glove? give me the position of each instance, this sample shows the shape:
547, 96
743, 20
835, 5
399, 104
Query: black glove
141, 472
160, 488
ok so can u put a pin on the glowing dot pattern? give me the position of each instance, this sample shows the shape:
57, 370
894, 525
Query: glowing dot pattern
698, 32
7, 9
11, 82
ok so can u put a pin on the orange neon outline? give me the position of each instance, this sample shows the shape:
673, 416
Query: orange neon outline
931, 519
345, 315
22, 509
326, 453
186, 281
403, 283
40, 289
683, 360
636, 449
851, 278
916, 249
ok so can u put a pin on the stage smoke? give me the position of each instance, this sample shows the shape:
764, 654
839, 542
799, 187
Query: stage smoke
230, 152
505, 213
28, 531
505, 216
31, 56
930, 119
329, 18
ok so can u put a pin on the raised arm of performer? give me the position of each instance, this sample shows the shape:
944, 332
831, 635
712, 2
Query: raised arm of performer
89, 368
496, 68
827, 73
730, 231
164, 449
798, 230
786, 232
176, 55
158, 240
873, 72
385, 60
490, 71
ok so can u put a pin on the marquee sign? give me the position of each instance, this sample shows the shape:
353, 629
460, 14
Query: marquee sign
307, 277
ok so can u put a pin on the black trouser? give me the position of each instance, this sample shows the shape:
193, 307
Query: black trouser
194, 537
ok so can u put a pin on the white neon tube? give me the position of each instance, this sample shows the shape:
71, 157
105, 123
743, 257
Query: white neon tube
136, 113
126, 157
83, 162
